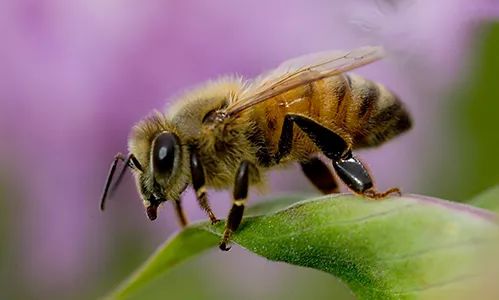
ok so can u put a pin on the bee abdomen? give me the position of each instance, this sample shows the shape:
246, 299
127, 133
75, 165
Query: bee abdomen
379, 112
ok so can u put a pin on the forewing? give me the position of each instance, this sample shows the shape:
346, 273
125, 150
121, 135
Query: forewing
300, 71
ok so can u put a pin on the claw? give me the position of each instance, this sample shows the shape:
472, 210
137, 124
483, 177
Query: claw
224, 247
371, 193
152, 211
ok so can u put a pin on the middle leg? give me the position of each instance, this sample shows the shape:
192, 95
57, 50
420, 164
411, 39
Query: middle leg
198, 182
182, 219
320, 175
239, 200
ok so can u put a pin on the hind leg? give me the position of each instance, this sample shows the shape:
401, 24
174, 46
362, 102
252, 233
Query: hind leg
355, 175
350, 170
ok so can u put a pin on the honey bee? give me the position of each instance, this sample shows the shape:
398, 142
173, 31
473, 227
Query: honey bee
228, 133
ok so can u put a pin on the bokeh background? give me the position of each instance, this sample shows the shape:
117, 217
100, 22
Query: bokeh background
76, 75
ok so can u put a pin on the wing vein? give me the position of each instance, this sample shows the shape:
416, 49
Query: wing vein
301, 71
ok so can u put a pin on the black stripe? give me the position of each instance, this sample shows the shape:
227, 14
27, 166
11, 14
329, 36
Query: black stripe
368, 98
389, 122
388, 113
404, 122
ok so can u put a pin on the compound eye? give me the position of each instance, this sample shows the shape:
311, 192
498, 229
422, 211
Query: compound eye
163, 153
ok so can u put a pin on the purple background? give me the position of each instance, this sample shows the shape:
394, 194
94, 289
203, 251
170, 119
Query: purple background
76, 75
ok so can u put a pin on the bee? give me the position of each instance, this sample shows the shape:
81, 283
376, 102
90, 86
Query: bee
228, 133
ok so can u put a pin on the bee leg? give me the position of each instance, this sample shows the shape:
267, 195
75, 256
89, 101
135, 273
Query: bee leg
198, 182
355, 175
320, 175
377, 195
239, 199
350, 170
180, 213
285, 139
330, 143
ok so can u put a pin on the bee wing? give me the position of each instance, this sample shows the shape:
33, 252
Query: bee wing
300, 71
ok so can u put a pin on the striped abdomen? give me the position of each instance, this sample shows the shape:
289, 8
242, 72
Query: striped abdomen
364, 113
375, 114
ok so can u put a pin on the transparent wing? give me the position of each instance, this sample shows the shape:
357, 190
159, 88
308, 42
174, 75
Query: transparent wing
300, 71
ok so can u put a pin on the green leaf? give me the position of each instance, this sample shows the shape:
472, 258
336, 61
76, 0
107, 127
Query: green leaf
488, 199
403, 247
179, 248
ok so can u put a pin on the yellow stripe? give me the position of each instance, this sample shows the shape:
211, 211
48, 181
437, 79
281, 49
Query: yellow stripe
200, 192
239, 202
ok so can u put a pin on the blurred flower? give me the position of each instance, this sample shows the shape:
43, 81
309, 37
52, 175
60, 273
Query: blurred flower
431, 38
76, 75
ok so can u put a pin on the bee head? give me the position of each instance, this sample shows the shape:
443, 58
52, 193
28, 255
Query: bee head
157, 144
